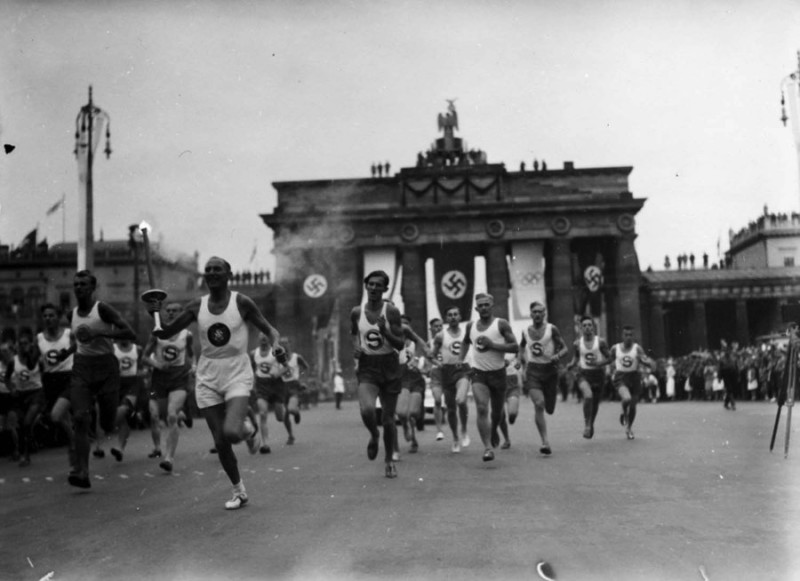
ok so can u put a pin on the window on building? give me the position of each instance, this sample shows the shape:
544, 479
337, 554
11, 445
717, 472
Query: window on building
788, 260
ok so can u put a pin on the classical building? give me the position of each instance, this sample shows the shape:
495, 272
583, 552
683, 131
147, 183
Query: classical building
696, 308
563, 236
35, 274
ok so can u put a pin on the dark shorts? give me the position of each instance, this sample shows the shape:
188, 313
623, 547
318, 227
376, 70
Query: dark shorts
271, 389
596, 378
25, 400
413, 380
436, 377
631, 380
165, 381
95, 379
380, 370
543, 378
495, 379
513, 387
5, 404
128, 388
56, 386
292, 388
452, 374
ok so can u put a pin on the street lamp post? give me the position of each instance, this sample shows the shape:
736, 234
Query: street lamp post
791, 85
89, 126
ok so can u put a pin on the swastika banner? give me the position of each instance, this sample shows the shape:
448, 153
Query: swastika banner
454, 279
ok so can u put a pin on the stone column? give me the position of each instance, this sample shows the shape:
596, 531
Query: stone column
699, 326
742, 323
657, 339
561, 311
348, 287
628, 311
414, 288
497, 278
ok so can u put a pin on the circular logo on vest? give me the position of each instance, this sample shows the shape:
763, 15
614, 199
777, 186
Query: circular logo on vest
125, 363
593, 277
219, 334
315, 285
454, 284
83, 333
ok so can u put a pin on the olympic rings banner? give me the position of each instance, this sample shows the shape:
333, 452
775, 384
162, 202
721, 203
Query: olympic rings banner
526, 271
454, 279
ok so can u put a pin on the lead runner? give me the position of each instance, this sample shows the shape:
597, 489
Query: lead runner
224, 372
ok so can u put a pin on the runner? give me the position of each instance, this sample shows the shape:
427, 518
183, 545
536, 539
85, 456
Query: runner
291, 370
591, 355
410, 410
270, 391
224, 374
542, 348
24, 378
172, 360
377, 334
8, 415
95, 370
434, 369
491, 337
128, 354
447, 346
56, 375
627, 356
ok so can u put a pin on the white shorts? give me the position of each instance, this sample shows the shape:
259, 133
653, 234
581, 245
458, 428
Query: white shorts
219, 380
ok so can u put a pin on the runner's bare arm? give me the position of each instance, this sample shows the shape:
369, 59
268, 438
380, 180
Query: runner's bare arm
109, 314
252, 314
187, 316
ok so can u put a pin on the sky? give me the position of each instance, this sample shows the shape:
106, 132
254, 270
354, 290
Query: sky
212, 102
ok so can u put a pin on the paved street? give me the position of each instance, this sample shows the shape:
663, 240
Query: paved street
696, 489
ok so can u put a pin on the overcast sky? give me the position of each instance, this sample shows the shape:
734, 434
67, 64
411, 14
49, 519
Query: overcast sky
211, 102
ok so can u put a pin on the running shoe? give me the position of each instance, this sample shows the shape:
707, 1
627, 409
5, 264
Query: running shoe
79, 480
372, 448
506, 445
265, 449
414, 447
99, 453
391, 470
117, 454
238, 501
629, 434
26, 461
588, 432
465, 441
488, 456
155, 454
290, 441
395, 456
456, 449
166, 465
253, 440
545, 450
439, 436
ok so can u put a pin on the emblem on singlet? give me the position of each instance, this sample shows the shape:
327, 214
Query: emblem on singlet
170, 353
219, 334
82, 333
455, 347
52, 357
264, 367
537, 350
374, 339
481, 346
125, 363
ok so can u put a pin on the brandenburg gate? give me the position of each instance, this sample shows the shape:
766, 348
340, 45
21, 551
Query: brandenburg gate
563, 236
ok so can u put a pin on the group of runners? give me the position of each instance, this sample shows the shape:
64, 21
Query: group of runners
92, 365
480, 356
